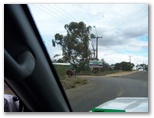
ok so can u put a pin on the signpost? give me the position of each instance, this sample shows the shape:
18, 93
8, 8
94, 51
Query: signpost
95, 64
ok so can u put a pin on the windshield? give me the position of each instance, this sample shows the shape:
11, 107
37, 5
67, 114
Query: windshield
100, 51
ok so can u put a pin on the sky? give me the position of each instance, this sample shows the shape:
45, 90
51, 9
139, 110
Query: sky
123, 28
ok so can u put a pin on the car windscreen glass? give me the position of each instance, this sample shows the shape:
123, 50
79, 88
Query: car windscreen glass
100, 51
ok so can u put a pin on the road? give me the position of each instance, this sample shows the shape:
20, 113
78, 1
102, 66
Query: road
101, 89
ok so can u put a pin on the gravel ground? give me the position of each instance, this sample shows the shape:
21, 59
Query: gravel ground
112, 75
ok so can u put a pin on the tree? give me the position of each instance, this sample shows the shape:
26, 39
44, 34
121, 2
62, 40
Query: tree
124, 66
75, 44
105, 66
60, 60
117, 66
56, 55
142, 66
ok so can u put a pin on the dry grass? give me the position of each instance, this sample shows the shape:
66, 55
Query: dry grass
73, 82
123, 73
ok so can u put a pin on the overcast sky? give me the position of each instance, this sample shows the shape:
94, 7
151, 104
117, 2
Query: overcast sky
123, 27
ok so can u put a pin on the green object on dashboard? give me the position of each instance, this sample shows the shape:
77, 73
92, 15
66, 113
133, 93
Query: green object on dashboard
106, 110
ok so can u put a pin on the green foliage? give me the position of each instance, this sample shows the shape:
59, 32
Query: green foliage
60, 61
124, 66
61, 70
75, 44
106, 66
144, 66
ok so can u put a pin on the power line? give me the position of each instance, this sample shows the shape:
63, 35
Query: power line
61, 12
128, 20
47, 12
56, 11
53, 12
42, 9
65, 11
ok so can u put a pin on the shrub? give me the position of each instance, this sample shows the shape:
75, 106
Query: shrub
61, 70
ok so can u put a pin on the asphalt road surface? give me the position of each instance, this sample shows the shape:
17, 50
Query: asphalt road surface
102, 89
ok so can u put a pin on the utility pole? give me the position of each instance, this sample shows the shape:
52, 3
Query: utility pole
130, 59
96, 43
97, 46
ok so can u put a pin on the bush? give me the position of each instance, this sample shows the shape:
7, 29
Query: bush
61, 70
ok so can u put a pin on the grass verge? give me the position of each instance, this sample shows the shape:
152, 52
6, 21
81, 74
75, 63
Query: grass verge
73, 82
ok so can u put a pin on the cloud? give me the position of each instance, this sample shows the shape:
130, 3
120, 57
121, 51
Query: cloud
124, 27
123, 24
112, 57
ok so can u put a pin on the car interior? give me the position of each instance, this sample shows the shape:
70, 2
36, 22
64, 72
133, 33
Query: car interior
28, 70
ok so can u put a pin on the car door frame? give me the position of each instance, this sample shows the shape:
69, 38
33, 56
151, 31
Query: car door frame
40, 90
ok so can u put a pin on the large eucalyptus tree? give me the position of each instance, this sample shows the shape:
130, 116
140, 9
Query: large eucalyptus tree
75, 44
